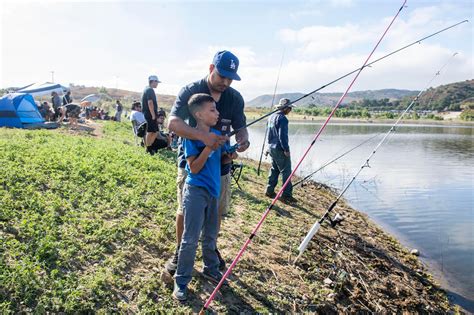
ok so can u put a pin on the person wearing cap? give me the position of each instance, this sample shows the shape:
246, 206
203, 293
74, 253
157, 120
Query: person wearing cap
230, 105
280, 151
150, 111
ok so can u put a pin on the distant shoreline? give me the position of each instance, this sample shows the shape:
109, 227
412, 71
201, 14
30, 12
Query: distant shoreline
319, 119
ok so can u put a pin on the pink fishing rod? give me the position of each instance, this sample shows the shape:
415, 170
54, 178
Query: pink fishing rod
265, 214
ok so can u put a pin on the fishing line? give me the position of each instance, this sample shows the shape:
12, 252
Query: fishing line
334, 160
348, 74
314, 229
265, 214
271, 104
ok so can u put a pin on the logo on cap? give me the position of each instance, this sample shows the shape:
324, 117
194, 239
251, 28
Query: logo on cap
226, 64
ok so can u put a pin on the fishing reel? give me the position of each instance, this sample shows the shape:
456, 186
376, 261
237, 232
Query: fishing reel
338, 218
232, 149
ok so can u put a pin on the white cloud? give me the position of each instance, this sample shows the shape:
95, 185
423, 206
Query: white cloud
320, 39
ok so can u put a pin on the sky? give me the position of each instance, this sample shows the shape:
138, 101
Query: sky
118, 44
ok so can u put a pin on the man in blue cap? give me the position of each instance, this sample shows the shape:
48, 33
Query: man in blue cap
230, 105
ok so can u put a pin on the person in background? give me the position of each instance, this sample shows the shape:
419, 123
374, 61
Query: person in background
280, 151
118, 111
162, 135
136, 113
56, 103
72, 112
67, 98
150, 110
45, 111
230, 106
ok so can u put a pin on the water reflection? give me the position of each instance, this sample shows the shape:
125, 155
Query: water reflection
420, 185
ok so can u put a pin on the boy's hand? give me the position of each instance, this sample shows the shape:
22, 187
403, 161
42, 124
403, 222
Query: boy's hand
228, 157
214, 141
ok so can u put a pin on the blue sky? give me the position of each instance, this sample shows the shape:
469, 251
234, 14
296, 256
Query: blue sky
119, 43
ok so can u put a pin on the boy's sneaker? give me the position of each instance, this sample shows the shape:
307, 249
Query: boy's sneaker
214, 278
221, 261
180, 292
172, 263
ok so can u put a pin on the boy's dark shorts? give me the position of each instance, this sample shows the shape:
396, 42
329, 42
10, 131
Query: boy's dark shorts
152, 125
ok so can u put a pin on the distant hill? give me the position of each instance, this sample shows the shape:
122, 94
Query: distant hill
330, 99
449, 97
453, 96
110, 94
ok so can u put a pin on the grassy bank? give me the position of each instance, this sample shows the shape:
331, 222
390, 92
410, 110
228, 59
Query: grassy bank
87, 222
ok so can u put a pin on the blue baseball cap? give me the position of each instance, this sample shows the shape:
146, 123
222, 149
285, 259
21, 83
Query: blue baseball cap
227, 64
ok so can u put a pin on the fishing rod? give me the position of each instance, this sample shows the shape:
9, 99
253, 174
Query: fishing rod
334, 160
433, 94
346, 75
280, 192
271, 104
314, 229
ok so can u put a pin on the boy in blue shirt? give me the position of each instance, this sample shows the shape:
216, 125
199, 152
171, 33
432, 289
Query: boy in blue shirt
200, 198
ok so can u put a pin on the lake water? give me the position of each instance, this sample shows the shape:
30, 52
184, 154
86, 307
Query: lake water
419, 187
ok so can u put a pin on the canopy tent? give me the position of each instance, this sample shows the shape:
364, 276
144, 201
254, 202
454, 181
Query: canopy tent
87, 101
40, 89
18, 110
91, 98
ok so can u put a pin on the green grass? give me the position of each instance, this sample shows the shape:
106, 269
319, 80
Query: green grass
75, 215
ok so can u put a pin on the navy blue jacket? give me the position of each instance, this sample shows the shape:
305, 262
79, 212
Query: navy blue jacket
278, 132
230, 107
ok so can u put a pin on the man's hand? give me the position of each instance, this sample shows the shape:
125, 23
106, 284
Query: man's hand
287, 153
214, 141
242, 138
243, 145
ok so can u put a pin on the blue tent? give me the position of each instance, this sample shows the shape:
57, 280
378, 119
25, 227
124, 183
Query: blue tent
18, 110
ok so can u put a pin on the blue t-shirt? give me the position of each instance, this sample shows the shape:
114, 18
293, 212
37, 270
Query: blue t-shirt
230, 107
210, 175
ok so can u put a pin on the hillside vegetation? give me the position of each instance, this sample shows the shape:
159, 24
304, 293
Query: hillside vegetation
87, 222
110, 95
382, 104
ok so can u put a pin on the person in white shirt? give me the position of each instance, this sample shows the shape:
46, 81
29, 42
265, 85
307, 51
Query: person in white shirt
136, 114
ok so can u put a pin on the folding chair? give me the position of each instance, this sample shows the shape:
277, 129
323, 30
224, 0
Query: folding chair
139, 131
236, 171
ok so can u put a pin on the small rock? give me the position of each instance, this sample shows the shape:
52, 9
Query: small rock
166, 277
415, 252
327, 281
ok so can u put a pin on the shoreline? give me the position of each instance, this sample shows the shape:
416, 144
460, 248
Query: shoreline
376, 226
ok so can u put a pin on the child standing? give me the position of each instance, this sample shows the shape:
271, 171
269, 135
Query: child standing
200, 198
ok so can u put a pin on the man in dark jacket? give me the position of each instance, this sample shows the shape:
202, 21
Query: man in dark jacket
280, 151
